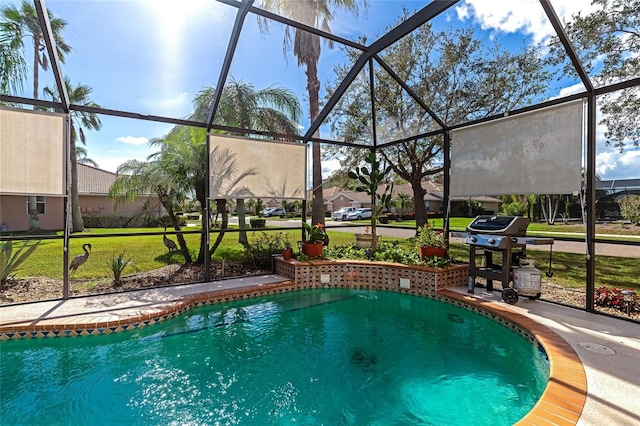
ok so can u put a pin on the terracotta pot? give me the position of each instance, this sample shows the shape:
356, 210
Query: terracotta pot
431, 251
287, 253
312, 249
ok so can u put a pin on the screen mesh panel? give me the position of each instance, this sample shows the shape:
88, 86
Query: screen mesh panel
254, 168
32, 152
538, 152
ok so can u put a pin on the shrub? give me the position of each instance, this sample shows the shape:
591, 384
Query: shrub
613, 298
260, 251
514, 209
115, 221
387, 252
392, 252
630, 208
116, 267
256, 222
9, 261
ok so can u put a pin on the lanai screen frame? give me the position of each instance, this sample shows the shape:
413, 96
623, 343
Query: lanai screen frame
369, 54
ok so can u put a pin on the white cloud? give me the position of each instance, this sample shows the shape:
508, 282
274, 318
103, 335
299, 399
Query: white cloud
525, 16
462, 12
576, 88
615, 165
329, 166
110, 164
133, 140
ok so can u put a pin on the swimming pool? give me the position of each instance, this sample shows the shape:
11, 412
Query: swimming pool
310, 357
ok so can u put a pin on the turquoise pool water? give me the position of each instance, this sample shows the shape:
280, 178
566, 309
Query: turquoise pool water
332, 357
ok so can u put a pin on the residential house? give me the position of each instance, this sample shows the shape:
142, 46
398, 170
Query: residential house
433, 200
609, 192
93, 187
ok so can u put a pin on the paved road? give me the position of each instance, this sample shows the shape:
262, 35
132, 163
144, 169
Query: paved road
602, 249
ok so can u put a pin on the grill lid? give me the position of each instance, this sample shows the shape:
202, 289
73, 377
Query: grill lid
504, 225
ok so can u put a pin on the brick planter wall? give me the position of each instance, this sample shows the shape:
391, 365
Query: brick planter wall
411, 279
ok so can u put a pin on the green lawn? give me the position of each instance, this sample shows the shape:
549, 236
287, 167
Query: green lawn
150, 253
613, 231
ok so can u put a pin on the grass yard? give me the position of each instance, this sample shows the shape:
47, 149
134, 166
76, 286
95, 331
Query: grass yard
149, 253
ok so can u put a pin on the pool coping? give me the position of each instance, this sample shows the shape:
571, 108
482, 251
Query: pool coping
564, 397
561, 403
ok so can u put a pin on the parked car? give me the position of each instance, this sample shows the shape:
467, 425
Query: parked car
274, 211
362, 213
342, 213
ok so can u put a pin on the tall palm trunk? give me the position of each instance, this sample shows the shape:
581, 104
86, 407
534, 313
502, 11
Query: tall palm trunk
182, 243
221, 208
313, 88
242, 224
34, 221
77, 224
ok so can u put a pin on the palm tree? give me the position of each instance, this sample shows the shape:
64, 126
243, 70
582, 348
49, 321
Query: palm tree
306, 47
23, 22
82, 157
403, 201
273, 109
80, 120
18, 24
13, 67
136, 178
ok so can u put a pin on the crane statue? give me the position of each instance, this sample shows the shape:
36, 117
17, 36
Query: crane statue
80, 259
171, 245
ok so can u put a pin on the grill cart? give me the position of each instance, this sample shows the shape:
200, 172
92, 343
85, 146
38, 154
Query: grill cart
505, 237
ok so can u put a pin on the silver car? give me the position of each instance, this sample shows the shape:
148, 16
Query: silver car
342, 213
358, 214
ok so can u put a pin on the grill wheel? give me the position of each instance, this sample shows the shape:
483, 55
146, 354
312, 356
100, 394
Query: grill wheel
510, 296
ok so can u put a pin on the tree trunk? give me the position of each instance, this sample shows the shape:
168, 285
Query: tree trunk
202, 200
242, 224
313, 87
34, 220
77, 223
221, 207
418, 202
182, 243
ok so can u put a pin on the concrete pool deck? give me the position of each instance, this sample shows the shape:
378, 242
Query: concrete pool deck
608, 348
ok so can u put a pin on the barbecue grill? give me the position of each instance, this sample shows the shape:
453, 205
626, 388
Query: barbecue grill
503, 235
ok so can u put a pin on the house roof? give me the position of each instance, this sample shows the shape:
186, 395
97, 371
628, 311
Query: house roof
354, 196
618, 184
330, 192
94, 181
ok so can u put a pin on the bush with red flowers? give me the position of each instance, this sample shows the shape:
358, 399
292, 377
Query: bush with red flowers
613, 298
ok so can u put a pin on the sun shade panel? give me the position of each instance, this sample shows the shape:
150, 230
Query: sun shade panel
537, 152
32, 153
254, 168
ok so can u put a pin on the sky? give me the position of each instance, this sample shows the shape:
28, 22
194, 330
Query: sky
153, 56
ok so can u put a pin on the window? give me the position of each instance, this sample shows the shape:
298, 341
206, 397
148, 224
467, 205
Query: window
39, 204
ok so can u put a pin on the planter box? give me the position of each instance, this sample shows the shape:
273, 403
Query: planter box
413, 279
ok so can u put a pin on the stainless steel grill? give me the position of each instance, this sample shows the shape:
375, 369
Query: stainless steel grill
502, 235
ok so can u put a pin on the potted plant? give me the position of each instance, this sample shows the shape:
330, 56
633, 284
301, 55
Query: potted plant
430, 241
316, 238
365, 240
369, 179
287, 251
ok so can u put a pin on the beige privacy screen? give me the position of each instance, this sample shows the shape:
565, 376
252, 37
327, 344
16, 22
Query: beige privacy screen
538, 152
254, 168
32, 151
